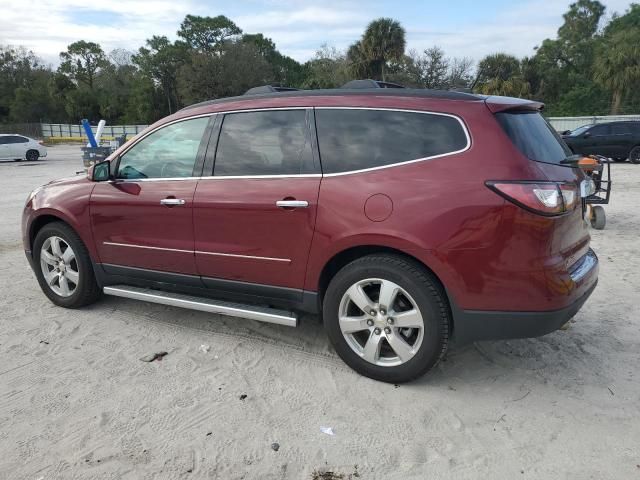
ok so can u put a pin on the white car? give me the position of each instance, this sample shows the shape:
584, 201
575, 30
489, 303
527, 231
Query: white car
19, 147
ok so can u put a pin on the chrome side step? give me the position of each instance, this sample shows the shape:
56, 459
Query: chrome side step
261, 314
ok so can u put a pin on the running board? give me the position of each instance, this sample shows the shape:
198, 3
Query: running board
261, 314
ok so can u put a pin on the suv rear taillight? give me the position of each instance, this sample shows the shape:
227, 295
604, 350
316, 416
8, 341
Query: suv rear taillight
543, 198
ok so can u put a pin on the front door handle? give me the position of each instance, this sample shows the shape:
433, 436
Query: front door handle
292, 203
172, 202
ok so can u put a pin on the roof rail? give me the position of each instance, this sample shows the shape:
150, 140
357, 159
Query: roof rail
269, 89
369, 83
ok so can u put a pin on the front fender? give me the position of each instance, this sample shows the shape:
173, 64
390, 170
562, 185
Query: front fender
66, 201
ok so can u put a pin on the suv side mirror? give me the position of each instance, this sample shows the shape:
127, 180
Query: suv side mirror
101, 171
586, 135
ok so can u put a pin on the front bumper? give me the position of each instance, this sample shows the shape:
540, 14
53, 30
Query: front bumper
474, 325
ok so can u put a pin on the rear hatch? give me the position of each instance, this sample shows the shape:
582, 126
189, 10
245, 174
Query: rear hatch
537, 140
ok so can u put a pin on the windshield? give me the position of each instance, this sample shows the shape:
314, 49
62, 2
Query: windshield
580, 130
533, 136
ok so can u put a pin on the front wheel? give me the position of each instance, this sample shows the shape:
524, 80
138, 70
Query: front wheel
387, 318
33, 155
63, 266
634, 155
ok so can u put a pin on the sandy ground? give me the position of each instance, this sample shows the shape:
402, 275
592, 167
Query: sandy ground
76, 401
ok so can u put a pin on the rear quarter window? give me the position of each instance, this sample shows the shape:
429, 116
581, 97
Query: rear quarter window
357, 139
533, 136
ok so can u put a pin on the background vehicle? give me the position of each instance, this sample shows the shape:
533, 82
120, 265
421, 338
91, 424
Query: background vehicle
19, 147
617, 140
403, 217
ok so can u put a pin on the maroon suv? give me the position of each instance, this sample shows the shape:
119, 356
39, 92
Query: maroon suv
404, 217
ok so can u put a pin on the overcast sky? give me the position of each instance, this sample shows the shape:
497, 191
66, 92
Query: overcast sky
298, 27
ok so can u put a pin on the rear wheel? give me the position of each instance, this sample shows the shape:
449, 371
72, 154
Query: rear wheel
63, 267
32, 155
387, 318
634, 155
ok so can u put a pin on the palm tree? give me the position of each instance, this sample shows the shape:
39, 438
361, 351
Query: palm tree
501, 74
617, 66
383, 41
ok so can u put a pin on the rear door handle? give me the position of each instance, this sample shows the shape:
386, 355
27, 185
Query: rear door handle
292, 203
172, 202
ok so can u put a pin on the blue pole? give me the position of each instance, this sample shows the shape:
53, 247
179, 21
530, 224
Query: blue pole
89, 132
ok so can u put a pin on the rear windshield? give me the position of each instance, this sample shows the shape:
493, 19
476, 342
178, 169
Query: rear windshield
533, 136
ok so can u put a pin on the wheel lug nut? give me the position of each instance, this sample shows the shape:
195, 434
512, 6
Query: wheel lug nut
372, 313
382, 311
387, 330
390, 321
377, 331
370, 323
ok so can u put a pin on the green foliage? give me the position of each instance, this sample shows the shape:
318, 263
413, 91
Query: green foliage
617, 64
502, 74
207, 34
161, 62
238, 67
82, 61
382, 42
328, 69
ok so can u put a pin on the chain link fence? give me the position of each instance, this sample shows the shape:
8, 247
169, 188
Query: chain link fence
110, 132
32, 130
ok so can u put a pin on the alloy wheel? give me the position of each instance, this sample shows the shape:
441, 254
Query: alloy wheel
59, 266
381, 322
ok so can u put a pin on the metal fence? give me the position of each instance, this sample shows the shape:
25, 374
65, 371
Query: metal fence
33, 130
75, 131
570, 123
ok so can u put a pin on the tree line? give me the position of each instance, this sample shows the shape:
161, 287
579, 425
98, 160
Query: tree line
592, 67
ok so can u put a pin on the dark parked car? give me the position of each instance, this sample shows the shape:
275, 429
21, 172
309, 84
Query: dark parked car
403, 217
617, 140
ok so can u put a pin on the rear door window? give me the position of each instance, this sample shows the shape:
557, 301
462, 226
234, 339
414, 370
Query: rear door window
358, 139
533, 136
620, 129
271, 142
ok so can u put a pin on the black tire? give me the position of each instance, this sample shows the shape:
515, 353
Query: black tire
424, 289
32, 155
87, 290
598, 217
634, 154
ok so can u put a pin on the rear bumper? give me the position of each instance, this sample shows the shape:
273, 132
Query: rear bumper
473, 325
470, 325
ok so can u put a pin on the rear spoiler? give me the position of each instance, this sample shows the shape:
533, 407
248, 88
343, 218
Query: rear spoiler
502, 104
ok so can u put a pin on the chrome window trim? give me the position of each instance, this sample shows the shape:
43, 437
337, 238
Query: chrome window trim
258, 177
407, 162
233, 255
220, 177
159, 179
305, 175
